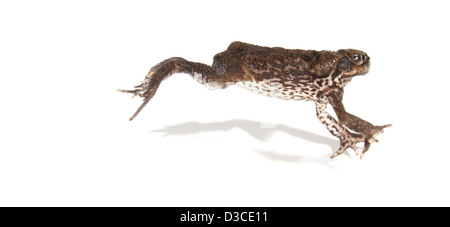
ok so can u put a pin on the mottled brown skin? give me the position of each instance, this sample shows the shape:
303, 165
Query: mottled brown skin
310, 75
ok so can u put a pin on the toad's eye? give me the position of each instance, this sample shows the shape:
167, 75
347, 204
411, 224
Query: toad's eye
357, 58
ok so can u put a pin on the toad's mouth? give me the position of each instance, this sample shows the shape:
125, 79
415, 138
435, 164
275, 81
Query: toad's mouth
362, 70
351, 75
361, 73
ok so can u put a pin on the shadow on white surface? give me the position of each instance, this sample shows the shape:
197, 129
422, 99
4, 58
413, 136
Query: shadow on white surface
263, 134
277, 156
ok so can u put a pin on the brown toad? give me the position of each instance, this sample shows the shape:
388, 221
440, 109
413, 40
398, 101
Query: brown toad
318, 76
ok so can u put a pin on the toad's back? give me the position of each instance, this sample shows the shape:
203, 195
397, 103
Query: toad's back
265, 62
274, 72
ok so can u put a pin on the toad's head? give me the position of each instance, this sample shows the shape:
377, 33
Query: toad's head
340, 65
351, 63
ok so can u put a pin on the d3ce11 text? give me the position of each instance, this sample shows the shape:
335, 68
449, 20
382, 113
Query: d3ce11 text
225, 216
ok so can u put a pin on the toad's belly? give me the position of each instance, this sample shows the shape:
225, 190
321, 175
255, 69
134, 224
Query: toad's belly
285, 91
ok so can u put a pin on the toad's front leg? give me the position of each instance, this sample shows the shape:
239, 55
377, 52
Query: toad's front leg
347, 139
354, 123
200, 72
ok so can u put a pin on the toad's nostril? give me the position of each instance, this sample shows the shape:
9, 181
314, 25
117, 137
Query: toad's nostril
366, 59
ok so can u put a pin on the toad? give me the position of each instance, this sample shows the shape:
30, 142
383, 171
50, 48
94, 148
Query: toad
290, 74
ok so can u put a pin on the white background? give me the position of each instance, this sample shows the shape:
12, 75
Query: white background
65, 138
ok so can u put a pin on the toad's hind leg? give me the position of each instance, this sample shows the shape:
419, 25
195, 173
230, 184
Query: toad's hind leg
200, 72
